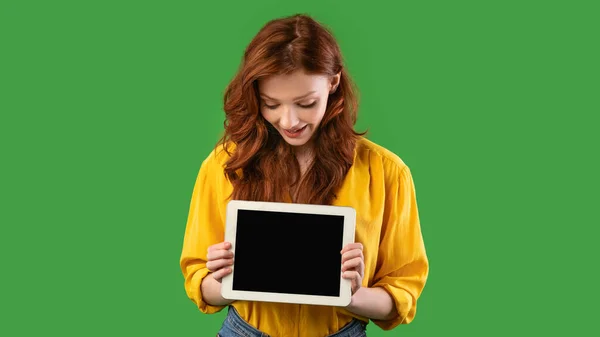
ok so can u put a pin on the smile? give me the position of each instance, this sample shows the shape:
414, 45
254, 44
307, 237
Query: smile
295, 132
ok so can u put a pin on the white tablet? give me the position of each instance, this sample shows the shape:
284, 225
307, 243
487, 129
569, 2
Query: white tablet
290, 253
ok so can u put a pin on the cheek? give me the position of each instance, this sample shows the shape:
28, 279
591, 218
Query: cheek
268, 115
314, 115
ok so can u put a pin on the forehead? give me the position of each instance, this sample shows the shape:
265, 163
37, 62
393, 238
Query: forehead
290, 86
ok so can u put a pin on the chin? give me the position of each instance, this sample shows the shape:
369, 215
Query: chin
295, 142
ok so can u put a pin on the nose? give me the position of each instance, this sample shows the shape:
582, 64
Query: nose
289, 118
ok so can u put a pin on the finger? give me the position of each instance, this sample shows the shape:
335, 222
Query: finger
218, 264
352, 254
355, 263
219, 274
219, 254
351, 246
352, 275
219, 246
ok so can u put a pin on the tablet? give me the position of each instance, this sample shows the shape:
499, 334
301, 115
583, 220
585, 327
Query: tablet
288, 253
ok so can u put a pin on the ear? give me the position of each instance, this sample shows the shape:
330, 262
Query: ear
334, 82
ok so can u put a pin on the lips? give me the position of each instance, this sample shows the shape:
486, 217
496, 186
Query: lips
294, 133
295, 130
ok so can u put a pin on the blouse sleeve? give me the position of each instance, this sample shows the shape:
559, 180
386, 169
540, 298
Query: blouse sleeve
204, 228
402, 261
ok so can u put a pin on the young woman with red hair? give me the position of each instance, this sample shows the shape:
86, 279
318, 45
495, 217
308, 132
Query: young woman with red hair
289, 137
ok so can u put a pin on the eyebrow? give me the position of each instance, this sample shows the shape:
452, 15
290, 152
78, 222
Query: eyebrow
295, 99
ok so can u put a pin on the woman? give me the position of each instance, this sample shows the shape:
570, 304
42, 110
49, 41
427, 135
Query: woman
289, 137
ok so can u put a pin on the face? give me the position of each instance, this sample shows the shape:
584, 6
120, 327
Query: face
295, 103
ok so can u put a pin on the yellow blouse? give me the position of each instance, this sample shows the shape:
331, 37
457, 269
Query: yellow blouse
379, 187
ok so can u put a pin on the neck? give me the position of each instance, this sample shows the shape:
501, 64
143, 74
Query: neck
304, 156
304, 151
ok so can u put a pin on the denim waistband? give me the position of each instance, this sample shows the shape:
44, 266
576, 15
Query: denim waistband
236, 324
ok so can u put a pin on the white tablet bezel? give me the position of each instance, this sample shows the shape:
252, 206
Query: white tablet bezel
233, 206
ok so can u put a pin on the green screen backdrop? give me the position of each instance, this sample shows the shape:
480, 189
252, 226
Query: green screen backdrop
108, 108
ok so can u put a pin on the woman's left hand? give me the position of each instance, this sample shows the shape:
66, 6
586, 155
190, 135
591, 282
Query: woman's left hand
353, 264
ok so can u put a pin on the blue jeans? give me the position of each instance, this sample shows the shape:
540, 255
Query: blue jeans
235, 326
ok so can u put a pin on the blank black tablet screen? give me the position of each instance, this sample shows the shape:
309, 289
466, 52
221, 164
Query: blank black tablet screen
288, 253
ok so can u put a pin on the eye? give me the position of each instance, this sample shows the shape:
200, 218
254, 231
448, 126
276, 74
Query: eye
272, 107
306, 106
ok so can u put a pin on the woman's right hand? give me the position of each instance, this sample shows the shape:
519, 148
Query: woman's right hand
220, 260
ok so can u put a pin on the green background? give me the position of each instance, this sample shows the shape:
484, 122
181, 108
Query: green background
108, 108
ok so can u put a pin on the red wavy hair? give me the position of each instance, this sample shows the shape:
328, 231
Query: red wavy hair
263, 166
